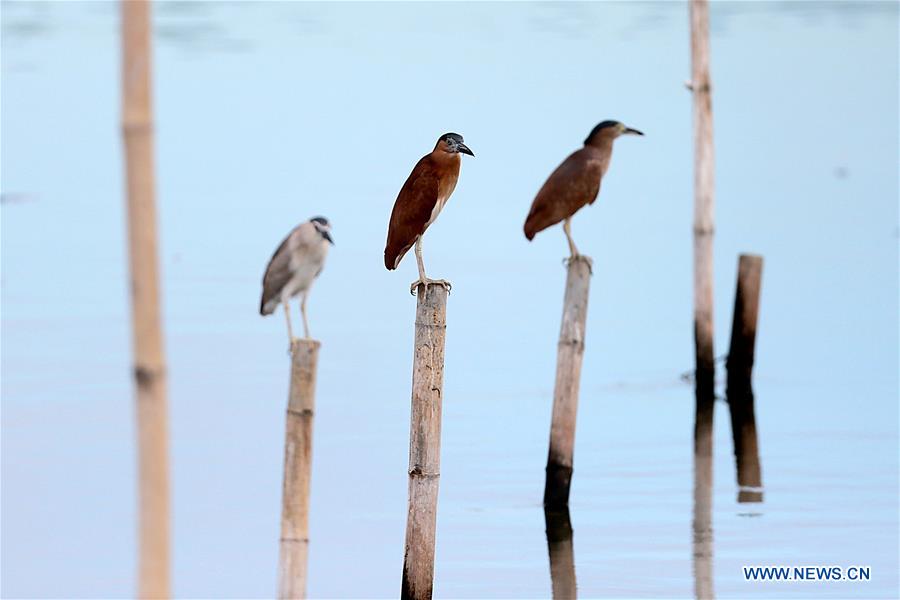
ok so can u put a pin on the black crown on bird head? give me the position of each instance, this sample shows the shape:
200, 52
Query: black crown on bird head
319, 220
452, 136
601, 125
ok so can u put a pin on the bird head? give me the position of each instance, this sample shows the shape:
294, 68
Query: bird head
610, 130
323, 227
452, 143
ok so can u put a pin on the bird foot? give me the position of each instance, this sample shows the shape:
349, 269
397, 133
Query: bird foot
292, 345
413, 288
577, 257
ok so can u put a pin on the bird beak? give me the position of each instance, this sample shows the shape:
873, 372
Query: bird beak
327, 236
629, 130
464, 149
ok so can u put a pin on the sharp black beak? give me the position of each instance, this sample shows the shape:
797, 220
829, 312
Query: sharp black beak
465, 149
327, 236
632, 131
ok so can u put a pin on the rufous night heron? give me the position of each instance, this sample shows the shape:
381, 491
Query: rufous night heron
575, 183
293, 268
420, 201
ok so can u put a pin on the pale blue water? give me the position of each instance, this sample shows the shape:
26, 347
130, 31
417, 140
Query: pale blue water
270, 113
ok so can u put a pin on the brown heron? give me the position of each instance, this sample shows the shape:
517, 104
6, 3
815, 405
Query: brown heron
575, 183
420, 201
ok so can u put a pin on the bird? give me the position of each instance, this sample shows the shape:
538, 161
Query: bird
575, 183
419, 203
292, 269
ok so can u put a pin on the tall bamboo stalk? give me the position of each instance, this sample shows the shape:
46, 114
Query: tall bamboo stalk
294, 544
703, 226
570, 351
147, 338
425, 442
739, 388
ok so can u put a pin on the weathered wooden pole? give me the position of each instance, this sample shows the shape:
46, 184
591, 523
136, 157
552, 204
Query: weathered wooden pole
570, 351
425, 442
703, 226
294, 543
739, 390
147, 337
562, 554
702, 530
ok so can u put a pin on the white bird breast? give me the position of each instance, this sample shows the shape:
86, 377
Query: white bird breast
306, 262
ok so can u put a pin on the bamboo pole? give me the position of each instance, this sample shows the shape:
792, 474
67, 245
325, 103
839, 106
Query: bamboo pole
702, 541
561, 552
739, 388
703, 226
294, 543
147, 338
425, 442
570, 351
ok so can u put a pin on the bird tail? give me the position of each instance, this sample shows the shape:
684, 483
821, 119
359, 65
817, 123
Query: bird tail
267, 308
530, 230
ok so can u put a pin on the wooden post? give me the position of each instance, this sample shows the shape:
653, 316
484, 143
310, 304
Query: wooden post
562, 554
739, 388
425, 442
702, 541
570, 351
147, 337
294, 543
703, 226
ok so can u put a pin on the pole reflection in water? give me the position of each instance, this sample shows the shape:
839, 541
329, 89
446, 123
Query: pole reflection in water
562, 555
702, 528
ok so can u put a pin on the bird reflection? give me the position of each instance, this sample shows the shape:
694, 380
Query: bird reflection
702, 528
562, 555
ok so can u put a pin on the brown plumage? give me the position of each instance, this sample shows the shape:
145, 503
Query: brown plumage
421, 199
576, 182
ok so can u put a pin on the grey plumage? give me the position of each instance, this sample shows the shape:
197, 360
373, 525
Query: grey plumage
294, 266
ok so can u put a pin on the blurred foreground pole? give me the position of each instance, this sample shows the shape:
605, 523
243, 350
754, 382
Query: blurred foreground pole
425, 442
570, 351
147, 339
562, 554
739, 388
294, 543
703, 227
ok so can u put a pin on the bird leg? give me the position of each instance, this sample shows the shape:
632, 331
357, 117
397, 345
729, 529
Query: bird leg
303, 312
575, 255
567, 229
287, 315
422, 280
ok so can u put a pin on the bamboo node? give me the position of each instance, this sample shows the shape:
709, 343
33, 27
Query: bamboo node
146, 375
137, 127
417, 471
295, 540
303, 412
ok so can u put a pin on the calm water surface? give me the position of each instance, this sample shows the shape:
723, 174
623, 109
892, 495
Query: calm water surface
269, 113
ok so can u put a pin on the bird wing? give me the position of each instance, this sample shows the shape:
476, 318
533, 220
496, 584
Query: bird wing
574, 183
278, 273
412, 211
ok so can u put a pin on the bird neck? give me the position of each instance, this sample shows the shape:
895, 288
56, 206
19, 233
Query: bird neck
602, 142
446, 159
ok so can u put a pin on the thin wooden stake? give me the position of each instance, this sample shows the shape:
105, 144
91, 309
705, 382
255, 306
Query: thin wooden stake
562, 553
703, 226
570, 351
739, 388
147, 337
294, 544
425, 442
